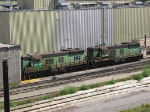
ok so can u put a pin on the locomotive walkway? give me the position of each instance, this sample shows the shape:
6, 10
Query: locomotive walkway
76, 84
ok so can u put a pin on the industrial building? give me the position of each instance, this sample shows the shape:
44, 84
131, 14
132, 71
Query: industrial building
51, 30
12, 53
58, 4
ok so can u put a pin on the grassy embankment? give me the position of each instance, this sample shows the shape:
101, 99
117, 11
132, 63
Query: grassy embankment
142, 108
71, 90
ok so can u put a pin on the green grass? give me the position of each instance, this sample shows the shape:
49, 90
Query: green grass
112, 81
14, 83
146, 71
11, 84
27, 101
68, 90
96, 85
142, 108
138, 77
84, 87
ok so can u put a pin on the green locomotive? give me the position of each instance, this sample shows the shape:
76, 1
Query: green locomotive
69, 59
107, 55
48, 63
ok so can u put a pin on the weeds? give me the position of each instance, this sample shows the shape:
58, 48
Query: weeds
14, 83
112, 81
84, 87
142, 108
138, 77
68, 90
146, 71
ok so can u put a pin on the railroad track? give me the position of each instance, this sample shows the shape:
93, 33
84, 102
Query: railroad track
84, 75
58, 103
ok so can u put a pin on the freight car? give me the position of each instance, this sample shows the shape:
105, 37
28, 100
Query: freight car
73, 59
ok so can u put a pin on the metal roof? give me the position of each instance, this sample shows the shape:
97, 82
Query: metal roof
4, 5
4, 47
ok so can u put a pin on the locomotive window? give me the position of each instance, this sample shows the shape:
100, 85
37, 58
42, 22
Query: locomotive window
77, 58
121, 51
51, 61
111, 53
61, 59
46, 61
104, 51
114, 52
37, 60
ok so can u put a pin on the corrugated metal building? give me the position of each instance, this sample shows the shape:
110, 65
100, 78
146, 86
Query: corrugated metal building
130, 23
79, 28
12, 53
47, 31
35, 31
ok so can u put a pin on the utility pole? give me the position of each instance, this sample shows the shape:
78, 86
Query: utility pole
6, 85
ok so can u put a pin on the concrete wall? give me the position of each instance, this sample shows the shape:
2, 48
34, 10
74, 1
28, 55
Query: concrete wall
14, 65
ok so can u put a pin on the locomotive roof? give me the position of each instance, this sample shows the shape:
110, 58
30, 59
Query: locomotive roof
132, 44
103, 47
74, 51
59, 53
36, 56
54, 54
27, 57
98, 47
118, 46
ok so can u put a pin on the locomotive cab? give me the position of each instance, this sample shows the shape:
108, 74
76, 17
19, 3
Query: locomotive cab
36, 61
25, 62
104, 52
96, 55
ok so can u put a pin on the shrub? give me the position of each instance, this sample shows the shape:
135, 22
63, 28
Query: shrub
146, 72
112, 81
138, 77
85, 87
68, 90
